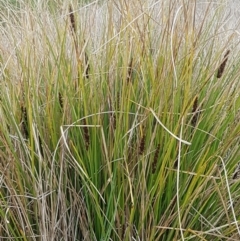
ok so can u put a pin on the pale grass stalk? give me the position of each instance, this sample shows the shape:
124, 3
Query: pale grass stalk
178, 184
165, 128
36, 140
106, 154
172, 57
230, 196
194, 173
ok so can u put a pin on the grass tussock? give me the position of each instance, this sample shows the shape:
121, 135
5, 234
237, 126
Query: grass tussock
119, 121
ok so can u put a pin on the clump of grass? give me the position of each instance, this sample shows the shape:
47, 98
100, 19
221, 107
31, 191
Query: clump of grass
109, 152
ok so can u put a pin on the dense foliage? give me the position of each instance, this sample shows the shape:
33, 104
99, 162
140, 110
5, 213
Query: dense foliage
119, 121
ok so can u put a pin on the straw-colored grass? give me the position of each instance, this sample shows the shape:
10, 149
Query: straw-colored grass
119, 121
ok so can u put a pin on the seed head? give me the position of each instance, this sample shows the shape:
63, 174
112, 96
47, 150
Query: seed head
195, 112
223, 65
72, 20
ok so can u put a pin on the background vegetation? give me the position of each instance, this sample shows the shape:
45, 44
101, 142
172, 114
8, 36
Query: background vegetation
119, 121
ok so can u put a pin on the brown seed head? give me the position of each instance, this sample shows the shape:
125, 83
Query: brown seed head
142, 145
60, 99
86, 134
72, 20
223, 65
24, 121
195, 112
87, 68
130, 70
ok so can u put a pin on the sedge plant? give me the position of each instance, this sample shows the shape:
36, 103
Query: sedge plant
119, 121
